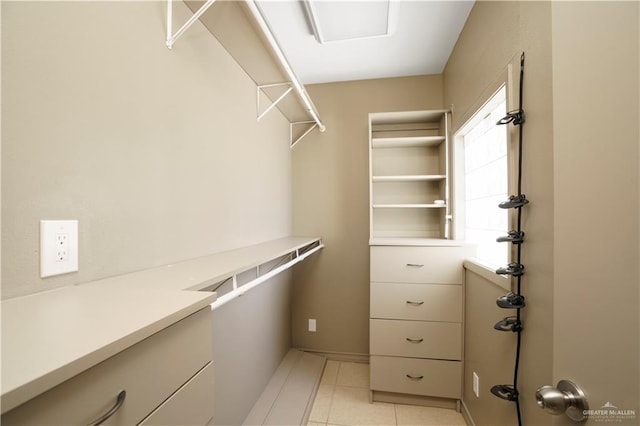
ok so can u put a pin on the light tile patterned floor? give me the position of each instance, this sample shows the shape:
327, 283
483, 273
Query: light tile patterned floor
343, 400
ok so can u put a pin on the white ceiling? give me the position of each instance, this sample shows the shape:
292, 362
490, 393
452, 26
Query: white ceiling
421, 44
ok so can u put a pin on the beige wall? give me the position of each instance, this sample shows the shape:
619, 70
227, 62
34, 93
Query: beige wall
581, 144
156, 152
596, 252
331, 198
494, 36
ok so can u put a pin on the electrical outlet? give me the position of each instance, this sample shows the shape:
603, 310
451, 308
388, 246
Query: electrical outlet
476, 385
312, 325
58, 247
62, 252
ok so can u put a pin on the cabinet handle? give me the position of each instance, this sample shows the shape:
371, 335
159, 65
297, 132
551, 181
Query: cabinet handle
414, 303
415, 265
409, 339
119, 401
416, 378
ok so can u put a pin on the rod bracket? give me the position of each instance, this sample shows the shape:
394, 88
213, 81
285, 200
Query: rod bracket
260, 89
298, 123
173, 37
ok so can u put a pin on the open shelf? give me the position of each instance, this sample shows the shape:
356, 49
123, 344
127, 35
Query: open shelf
407, 178
409, 171
409, 206
406, 142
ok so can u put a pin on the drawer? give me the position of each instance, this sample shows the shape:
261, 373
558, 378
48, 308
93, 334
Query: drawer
191, 405
417, 376
435, 265
422, 302
149, 372
417, 339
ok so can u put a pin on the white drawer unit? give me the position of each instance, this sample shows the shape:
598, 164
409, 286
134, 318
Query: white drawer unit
404, 264
416, 318
416, 339
421, 302
152, 373
417, 280
417, 376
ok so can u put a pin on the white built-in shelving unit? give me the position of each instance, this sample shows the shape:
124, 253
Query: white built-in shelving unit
416, 269
409, 175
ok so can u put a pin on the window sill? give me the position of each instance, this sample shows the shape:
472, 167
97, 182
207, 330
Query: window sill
488, 273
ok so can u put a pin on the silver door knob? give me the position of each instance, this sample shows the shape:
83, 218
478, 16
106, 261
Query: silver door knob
566, 398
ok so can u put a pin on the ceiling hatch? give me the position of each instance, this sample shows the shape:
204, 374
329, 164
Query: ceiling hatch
334, 21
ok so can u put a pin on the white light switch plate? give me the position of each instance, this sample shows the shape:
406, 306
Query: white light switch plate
476, 384
58, 247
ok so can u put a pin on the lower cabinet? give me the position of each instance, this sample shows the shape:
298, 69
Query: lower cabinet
190, 405
167, 379
416, 376
416, 320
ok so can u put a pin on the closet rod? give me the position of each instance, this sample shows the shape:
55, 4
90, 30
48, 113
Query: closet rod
239, 291
299, 88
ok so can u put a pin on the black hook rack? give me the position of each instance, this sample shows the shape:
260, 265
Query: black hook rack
514, 300
506, 392
512, 324
511, 301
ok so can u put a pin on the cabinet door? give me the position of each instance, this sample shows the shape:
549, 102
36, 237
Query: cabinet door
149, 372
435, 265
423, 302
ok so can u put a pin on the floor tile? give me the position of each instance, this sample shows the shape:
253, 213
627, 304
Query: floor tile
410, 415
353, 374
315, 424
350, 406
322, 404
330, 373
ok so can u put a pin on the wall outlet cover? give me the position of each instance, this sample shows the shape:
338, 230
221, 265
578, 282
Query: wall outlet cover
58, 247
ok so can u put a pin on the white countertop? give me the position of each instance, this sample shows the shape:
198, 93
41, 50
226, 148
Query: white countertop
200, 272
51, 336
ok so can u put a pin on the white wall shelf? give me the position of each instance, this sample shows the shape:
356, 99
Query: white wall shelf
408, 178
405, 142
409, 206
243, 31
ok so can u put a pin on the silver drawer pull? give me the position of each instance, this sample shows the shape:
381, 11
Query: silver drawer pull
410, 302
409, 339
416, 378
415, 265
119, 401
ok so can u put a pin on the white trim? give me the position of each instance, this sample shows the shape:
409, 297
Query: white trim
467, 414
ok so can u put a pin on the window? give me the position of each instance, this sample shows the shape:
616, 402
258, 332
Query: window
482, 163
